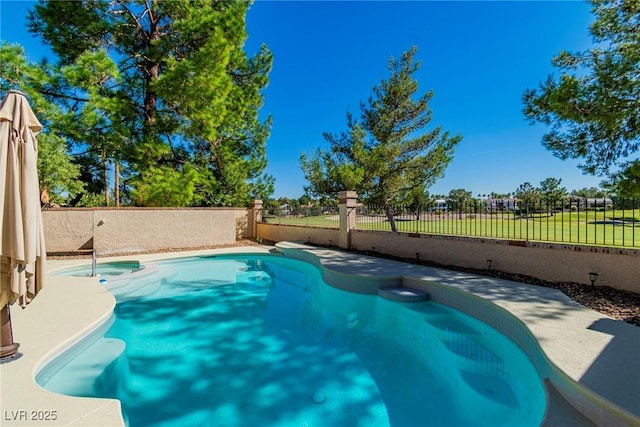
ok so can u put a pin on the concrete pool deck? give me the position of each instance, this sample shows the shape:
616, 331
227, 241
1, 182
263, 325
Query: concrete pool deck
588, 358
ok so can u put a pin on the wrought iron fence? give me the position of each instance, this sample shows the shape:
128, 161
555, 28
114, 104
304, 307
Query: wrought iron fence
590, 221
307, 216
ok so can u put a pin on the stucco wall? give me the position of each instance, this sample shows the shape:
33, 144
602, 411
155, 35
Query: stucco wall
68, 230
279, 233
618, 268
138, 230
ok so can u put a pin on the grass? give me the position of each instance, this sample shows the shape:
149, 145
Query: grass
620, 228
324, 221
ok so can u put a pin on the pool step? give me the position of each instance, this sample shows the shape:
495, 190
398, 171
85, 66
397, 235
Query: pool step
137, 285
91, 372
492, 388
403, 294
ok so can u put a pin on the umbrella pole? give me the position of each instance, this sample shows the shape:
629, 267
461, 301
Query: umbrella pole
8, 348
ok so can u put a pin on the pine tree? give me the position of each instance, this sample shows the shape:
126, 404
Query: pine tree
165, 91
387, 154
57, 173
593, 106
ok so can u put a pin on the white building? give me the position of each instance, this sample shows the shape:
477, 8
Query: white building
439, 205
501, 204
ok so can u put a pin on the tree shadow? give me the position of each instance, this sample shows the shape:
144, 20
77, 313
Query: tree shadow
288, 350
543, 302
615, 374
262, 364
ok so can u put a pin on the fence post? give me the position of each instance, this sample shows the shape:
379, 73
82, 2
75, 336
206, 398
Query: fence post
256, 213
347, 208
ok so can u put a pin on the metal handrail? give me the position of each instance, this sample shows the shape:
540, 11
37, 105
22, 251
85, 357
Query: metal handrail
94, 260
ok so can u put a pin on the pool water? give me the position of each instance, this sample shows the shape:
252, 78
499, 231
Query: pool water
105, 269
263, 341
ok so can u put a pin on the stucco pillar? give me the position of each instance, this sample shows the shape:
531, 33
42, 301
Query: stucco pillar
347, 201
256, 217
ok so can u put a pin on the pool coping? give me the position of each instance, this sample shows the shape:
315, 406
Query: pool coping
569, 344
59, 328
563, 346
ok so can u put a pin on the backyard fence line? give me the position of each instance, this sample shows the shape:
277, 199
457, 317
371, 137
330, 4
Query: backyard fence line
574, 220
590, 221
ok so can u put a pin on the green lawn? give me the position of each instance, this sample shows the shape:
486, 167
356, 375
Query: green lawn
327, 221
619, 228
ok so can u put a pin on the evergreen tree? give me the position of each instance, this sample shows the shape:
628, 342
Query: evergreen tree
625, 184
592, 107
551, 191
528, 197
459, 198
591, 192
58, 174
164, 91
387, 153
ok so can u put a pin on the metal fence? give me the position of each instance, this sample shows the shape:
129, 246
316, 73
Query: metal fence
306, 216
590, 221
604, 221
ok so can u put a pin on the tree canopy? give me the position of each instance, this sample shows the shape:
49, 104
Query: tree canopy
551, 191
459, 198
625, 184
57, 173
162, 92
593, 107
528, 195
387, 153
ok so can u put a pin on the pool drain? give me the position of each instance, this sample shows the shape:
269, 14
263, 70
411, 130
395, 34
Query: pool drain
319, 397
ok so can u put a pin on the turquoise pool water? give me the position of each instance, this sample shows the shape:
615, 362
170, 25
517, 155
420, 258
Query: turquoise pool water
105, 269
263, 341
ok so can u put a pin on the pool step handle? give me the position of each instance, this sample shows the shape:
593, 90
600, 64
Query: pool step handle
94, 259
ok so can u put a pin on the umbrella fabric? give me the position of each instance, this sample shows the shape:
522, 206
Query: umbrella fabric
22, 250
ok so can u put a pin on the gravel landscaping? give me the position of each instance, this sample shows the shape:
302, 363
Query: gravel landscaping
617, 304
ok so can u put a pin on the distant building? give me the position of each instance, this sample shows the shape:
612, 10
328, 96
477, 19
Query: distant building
577, 202
285, 209
501, 204
439, 205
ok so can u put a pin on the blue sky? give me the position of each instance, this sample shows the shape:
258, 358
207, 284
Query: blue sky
477, 56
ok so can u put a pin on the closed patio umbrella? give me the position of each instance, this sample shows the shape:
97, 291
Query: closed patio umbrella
22, 250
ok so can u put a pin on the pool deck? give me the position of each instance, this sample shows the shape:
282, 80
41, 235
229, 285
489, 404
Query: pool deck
586, 357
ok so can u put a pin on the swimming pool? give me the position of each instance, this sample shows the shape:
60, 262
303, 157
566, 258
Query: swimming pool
105, 269
262, 340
